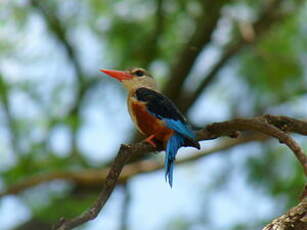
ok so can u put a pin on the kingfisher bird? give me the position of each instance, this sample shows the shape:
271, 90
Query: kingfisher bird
155, 115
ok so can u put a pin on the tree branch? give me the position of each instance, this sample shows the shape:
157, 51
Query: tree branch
262, 124
294, 219
186, 99
4, 98
110, 182
152, 42
204, 28
228, 128
58, 30
83, 85
124, 215
271, 16
96, 177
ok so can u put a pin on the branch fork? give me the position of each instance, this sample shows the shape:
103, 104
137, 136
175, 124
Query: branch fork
274, 126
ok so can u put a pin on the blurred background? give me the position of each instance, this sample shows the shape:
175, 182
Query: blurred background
62, 121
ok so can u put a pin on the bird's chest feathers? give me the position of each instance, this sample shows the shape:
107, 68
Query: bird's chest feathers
145, 122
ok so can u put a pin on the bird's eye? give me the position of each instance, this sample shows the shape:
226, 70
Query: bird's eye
139, 73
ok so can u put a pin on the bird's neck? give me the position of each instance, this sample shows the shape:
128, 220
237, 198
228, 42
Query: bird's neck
134, 84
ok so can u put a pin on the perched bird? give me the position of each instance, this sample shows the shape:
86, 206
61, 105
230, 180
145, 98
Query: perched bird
155, 115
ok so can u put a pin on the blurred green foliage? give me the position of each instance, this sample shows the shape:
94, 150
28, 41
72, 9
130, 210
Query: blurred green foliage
273, 67
137, 33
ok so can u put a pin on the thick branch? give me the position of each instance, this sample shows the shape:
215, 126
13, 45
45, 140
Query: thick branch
294, 219
228, 128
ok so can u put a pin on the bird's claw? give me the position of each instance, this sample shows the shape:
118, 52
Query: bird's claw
150, 141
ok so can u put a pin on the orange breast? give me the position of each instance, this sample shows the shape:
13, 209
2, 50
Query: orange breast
148, 124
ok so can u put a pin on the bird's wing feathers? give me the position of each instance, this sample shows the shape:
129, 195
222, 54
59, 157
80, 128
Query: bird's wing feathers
164, 109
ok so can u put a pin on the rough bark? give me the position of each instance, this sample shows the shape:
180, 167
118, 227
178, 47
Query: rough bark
294, 219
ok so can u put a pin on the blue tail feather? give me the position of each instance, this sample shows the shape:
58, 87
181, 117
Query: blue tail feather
173, 144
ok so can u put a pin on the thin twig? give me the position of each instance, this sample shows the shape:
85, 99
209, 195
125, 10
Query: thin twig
11, 123
152, 42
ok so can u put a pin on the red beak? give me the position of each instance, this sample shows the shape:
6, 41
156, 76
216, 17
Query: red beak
119, 75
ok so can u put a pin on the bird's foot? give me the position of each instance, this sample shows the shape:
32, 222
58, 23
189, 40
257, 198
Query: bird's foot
150, 141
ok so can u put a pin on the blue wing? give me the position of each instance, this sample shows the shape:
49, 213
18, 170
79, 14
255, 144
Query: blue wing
164, 109
179, 127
